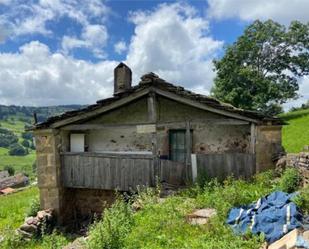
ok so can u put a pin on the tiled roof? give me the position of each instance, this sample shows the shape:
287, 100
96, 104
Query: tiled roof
152, 80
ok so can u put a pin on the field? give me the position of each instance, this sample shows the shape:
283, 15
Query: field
296, 132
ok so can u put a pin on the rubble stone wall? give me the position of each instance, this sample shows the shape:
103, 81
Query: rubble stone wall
86, 202
301, 162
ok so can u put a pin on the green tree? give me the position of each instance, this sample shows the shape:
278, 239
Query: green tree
260, 71
17, 150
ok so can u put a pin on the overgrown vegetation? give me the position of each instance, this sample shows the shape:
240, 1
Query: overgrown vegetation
163, 225
290, 180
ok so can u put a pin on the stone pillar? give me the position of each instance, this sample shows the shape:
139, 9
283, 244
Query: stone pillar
48, 143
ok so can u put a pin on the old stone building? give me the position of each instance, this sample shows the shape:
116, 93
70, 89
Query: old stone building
153, 129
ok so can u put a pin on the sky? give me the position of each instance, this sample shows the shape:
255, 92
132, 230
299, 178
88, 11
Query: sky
56, 52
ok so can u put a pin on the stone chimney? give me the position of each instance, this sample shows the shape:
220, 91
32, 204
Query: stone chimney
122, 78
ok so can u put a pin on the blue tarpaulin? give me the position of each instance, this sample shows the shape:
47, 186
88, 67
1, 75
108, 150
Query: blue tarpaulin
274, 215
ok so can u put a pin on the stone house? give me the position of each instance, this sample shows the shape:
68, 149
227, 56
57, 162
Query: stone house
153, 130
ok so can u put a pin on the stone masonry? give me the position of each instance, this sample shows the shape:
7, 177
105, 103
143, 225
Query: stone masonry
48, 169
301, 162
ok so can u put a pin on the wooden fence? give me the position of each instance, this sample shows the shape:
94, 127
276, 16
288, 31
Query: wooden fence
223, 165
117, 171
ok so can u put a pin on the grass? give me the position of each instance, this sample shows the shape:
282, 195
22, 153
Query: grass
20, 163
162, 225
14, 206
295, 135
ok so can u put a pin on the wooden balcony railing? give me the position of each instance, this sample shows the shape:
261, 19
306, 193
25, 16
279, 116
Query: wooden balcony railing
123, 172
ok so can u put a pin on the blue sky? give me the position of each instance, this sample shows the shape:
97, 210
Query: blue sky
64, 51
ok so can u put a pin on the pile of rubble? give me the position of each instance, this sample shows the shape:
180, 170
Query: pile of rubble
43, 222
8, 182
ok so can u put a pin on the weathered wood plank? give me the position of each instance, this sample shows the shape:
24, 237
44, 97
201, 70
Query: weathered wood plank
226, 164
123, 174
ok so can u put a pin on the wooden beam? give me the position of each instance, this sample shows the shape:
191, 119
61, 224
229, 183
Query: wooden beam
90, 114
152, 118
252, 138
202, 106
188, 150
76, 127
152, 108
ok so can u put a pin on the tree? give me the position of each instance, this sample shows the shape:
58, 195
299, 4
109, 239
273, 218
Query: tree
17, 150
26, 143
260, 71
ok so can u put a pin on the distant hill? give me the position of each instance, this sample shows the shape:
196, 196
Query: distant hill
13, 120
25, 113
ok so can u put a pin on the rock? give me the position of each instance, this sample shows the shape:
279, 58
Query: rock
29, 228
33, 225
25, 234
79, 243
201, 216
281, 164
29, 220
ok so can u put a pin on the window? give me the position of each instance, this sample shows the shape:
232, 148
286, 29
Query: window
77, 142
177, 144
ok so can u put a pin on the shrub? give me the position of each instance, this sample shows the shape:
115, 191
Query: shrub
9, 169
290, 180
26, 143
27, 135
302, 200
34, 207
110, 232
17, 150
7, 138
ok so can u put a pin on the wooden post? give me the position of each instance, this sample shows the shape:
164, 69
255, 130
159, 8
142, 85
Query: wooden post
188, 150
252, 138
152, 117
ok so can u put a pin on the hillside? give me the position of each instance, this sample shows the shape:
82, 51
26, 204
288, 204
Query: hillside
15, 119
296, 133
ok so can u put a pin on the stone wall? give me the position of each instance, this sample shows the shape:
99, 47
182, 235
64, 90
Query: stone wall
48, 170
301, 162
84, 203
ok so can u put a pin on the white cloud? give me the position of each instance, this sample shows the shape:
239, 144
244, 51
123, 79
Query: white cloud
93, 37
303, 92
120, 47
282, 11
173, 42
33, 18
35, 76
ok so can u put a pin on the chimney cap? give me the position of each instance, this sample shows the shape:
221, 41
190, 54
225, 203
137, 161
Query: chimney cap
121, 64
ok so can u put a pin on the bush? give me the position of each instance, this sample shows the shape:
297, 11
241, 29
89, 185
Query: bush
7, 138
111, 231
27, 135
9, 169
290, 180
34, 207
26, 143
17, 150
302, 200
